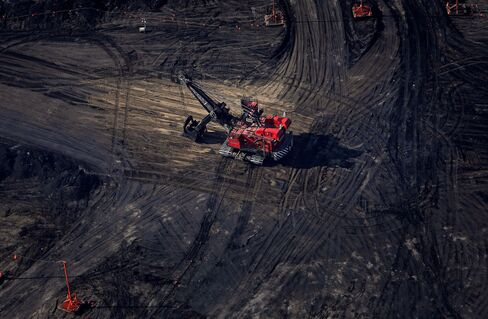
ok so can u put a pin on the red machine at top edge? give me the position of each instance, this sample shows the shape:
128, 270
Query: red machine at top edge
361, 11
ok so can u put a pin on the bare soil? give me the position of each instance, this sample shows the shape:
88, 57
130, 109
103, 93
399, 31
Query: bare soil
379, 212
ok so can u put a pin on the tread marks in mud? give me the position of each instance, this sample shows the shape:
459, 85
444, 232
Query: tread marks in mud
318, 234
232, 260
24, 39
451, 121
297, 199
187, 267
124, 67
294, 82
409, 134
253, 183
196, 249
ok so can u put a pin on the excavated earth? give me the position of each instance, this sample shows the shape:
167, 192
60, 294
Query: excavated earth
380, 211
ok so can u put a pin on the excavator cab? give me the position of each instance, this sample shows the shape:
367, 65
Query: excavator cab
250, 110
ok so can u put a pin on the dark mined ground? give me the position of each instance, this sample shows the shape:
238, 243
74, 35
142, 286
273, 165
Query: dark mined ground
381, 211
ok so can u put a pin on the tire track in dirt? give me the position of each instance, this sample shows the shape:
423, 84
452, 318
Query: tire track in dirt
99, 41
312, 222
352, 181
196, 249
123, 65
227, 261
262, 259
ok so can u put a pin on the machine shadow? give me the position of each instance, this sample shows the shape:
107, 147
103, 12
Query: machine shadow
214, 137
309, 150
312, 150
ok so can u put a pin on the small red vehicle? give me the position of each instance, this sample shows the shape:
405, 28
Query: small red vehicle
275, 18
462, 9
361, 11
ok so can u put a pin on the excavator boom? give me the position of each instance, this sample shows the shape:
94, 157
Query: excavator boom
218, 111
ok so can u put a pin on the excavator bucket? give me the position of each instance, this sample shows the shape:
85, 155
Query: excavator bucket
182, 78
191, 130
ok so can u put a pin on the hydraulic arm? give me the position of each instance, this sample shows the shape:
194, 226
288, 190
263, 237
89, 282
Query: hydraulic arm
217, 112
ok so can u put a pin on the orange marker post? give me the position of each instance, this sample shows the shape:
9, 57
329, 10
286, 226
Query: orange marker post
71, 303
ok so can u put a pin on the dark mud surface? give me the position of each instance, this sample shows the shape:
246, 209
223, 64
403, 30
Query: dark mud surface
379, 212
